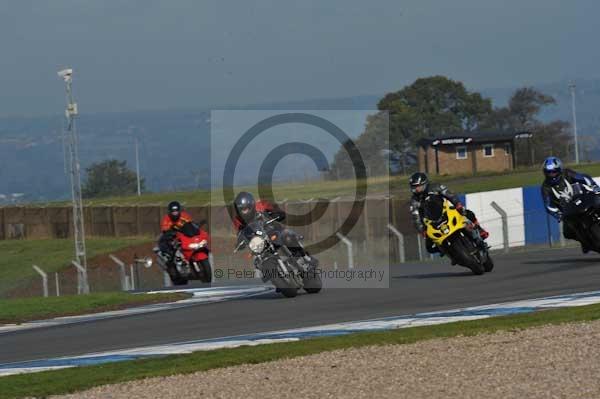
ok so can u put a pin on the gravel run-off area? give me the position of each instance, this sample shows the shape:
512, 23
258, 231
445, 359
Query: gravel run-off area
560, 361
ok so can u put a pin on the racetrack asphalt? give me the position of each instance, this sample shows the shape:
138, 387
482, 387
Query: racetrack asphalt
414, 288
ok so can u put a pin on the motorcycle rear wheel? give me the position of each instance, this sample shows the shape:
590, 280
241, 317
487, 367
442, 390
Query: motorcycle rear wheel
311, 281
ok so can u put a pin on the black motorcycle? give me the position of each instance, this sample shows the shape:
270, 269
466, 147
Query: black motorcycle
580, 206
280, 257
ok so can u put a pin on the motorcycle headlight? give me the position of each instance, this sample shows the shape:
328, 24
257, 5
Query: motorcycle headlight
256, 244
196, 245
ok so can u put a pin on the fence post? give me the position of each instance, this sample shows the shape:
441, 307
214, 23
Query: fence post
420, 246
121, 264
131, 279
504, 217
400, 242
348, 244
167, 280
211, 262
44, 279
83, 286
57, 284
561, 226
113, 219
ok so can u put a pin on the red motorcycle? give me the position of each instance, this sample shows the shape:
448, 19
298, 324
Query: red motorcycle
190, 262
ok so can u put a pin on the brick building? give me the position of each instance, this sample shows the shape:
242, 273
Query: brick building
477, 152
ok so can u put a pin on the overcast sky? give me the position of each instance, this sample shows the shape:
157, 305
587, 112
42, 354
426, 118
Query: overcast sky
147, 54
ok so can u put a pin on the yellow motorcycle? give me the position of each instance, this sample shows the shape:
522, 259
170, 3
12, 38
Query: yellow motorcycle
455, 235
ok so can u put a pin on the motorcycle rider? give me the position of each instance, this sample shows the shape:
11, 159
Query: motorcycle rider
421, 188
247, 209
555, 181
172, 222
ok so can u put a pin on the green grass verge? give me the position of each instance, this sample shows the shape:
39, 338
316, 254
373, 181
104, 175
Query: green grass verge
49, 254
77, 379
331, 189
26, 309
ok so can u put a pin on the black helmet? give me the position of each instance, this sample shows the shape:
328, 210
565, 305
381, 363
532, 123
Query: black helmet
174, 209
245, 206
418, 179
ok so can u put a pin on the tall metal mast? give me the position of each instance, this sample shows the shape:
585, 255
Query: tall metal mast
137, 167
572, 88
75, 171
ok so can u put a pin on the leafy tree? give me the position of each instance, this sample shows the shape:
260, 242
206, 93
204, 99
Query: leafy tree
433, 106
524, 106
367, 149
550, 139
521, 114
110, 178
430, 106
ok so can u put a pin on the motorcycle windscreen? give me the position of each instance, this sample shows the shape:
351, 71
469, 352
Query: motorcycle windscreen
190, 229
433, 209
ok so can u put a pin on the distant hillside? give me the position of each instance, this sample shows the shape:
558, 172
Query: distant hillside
174, 144
174, 147
173, 150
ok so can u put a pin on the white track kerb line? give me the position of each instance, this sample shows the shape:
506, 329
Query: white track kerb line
388, 323
200, 296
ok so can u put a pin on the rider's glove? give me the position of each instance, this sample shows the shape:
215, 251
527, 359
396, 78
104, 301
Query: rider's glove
596, 189
459, 207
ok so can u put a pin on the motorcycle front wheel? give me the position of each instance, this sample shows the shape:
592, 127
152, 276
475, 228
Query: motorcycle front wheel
488, 265
287, 288
284, 288
461, 250
176, 278
595, 235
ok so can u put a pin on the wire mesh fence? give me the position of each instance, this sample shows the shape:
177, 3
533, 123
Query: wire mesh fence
373, 242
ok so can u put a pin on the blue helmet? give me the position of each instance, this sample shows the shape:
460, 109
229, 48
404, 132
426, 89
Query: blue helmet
552, 170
